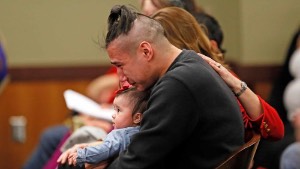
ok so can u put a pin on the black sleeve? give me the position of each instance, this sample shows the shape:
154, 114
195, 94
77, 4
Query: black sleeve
67, 166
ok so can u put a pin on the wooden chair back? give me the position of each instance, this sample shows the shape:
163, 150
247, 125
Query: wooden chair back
242, 158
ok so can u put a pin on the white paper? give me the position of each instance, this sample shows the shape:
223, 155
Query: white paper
82, 104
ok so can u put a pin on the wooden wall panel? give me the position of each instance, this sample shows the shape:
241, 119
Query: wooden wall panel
43, 105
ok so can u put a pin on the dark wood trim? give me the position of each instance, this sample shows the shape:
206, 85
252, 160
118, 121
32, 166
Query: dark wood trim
257, 73
249, 74
56, 73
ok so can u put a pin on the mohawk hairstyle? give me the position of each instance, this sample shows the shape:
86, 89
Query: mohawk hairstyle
120, 21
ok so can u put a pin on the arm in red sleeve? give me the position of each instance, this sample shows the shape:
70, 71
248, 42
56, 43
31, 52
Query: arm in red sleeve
269, 124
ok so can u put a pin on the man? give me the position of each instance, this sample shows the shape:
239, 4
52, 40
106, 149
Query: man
193, 120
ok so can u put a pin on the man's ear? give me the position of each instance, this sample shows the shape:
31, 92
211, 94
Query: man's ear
137, 118
146, 49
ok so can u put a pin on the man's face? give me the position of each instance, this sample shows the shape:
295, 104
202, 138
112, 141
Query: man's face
131, 66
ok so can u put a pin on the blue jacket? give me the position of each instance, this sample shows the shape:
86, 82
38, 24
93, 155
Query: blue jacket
115, 142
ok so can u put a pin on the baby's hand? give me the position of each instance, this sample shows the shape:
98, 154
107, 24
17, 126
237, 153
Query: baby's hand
65, 155
72, 158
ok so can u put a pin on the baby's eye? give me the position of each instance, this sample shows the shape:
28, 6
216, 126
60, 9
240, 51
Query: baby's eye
117, 109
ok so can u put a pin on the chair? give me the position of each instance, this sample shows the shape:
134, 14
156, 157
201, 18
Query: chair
242, 158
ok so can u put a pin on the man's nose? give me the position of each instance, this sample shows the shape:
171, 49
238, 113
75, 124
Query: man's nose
122, 77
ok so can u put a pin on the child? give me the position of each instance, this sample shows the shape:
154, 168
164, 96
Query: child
129, 105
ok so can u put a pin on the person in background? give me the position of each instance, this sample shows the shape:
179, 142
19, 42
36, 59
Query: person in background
3, 64
291, 95
268, 153
149, 7
182, 110
129, 105
102, 88
290, 158
206, 21
213, 30
54, 137
181, 28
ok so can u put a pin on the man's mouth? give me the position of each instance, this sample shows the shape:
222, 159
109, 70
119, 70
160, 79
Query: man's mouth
131, 83
128, 83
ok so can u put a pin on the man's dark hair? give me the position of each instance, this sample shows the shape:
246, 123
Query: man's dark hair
120, 21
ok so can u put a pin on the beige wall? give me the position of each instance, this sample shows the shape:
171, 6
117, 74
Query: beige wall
63, 33
227, 13
267, 29
256, 32
55, 32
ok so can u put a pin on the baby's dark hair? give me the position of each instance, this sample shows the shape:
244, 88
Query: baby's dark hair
137, 98
120, 21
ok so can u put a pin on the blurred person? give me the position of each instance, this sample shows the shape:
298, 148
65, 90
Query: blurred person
106, 85
53, 138
212, 28
149, 7
268, 153
290, 158
206, 21
276, 95
292, 102
3, 64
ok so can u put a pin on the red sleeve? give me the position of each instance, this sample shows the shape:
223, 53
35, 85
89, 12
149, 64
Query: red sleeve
269, 124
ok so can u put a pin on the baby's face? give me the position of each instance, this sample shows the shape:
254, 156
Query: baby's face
123, 116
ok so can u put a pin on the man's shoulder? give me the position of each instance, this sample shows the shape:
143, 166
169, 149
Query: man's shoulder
189, 65
188, 55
